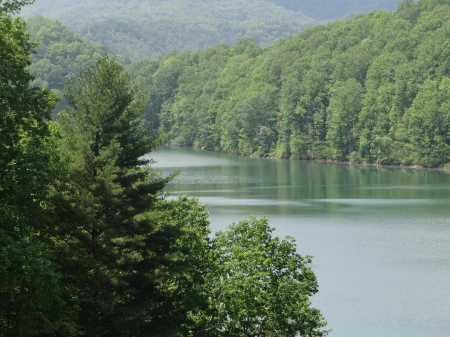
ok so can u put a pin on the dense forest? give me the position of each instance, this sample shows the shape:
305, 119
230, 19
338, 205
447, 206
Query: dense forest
59, 53
335, 9
138, 29
372, 89
90, 245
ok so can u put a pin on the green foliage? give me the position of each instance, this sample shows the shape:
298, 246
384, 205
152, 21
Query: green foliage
329, 9
59, 53
28, 167
12, 6
138, 29
408, 10
259, 285
342, 91
128, 247
343, 110
428, 121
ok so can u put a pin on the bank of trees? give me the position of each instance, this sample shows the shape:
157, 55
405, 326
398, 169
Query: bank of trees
372, 89
90, 246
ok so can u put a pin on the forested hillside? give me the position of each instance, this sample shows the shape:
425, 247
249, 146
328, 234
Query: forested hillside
59, 53
335, 9
373, 89
138, 29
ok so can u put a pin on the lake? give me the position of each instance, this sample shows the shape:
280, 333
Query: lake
380, 236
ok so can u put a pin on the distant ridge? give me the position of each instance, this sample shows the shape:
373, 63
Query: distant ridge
335, 9
138, 29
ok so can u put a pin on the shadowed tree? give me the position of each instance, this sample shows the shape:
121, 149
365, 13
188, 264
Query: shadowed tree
121, 243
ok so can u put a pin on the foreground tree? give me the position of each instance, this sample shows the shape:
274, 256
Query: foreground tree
259, 285
120, 241
23, 110
28, 166
12, 6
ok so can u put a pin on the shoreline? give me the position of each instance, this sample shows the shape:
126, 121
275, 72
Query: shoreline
332, 161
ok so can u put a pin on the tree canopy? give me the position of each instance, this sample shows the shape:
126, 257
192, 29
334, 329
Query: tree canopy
152, 28
335, 9
28, 166
125, 241
13, 6
260, 286
371, 89
59, 53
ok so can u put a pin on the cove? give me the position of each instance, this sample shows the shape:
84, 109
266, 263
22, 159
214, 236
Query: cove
380, 236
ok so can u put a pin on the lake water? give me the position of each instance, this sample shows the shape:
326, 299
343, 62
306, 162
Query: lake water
380, 236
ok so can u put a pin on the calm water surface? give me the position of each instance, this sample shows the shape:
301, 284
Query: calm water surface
380, 237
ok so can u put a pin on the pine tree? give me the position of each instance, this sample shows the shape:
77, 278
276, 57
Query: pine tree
120, 241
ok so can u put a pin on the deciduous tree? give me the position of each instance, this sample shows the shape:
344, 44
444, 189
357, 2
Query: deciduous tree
259, 285
28, 167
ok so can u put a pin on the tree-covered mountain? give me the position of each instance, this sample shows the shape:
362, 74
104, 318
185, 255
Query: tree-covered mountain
372, 89
59, 53
335, 9
138, 29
